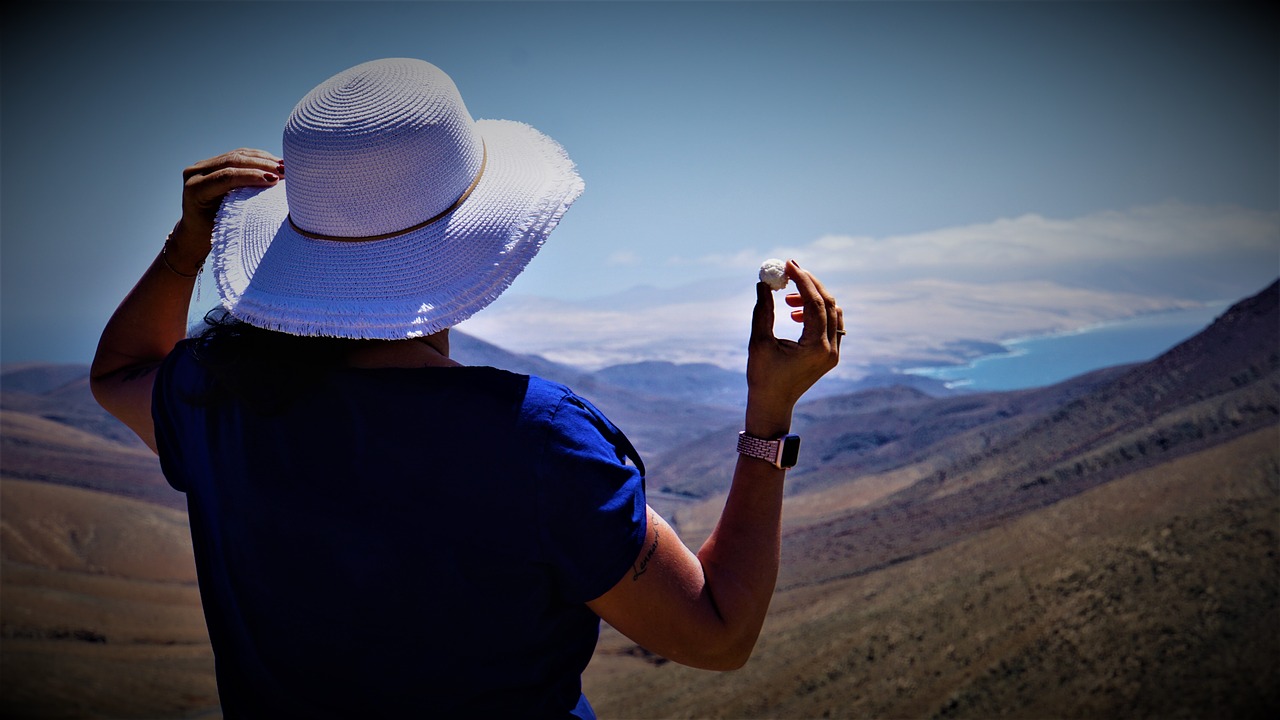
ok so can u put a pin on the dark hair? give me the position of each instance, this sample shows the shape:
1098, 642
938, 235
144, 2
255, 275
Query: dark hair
265, 369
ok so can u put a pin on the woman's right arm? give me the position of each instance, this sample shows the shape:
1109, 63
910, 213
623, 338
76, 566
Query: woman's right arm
706, 609
152, 318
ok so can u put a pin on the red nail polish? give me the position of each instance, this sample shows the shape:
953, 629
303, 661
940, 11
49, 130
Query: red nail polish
270, 177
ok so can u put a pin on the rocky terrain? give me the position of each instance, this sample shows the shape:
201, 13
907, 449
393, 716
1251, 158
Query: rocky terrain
1102, 547
1106, 547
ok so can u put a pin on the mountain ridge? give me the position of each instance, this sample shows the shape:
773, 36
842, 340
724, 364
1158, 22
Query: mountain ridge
1076, 547
1126, 423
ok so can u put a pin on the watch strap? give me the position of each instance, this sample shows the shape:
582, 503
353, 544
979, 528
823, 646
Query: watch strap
771, 451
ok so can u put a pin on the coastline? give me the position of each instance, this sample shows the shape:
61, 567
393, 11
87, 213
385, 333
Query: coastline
1026, 360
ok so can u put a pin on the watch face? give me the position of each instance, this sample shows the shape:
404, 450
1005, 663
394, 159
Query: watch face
790, 451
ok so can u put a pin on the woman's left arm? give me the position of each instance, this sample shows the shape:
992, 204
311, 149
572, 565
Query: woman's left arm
152, 318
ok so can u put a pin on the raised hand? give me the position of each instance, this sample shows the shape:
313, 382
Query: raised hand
780, 371
204, 185
152, 317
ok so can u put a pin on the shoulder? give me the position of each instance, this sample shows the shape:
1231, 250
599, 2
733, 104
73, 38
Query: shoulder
573, 422
552, 402
544, 395
180, 369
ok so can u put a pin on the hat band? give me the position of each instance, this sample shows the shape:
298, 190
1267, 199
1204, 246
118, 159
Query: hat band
484, 160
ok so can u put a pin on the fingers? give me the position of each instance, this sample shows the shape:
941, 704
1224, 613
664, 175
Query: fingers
762, 315
780, 371
248, 158
795, 301
818, 308
238, 168
209, 188
206, 182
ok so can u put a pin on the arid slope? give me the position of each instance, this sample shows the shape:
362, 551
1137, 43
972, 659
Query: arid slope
1105, 547
1111, 555
1155, 595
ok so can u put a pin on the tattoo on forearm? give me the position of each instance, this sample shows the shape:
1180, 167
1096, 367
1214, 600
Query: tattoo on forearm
136, 373
639, 567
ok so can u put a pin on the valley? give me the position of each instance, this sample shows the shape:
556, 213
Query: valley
1106, 546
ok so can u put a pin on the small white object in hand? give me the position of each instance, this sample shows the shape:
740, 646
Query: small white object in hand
773, 272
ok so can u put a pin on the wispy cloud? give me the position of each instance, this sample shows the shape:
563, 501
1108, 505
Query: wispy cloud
623, 257
1012, 247
920, 298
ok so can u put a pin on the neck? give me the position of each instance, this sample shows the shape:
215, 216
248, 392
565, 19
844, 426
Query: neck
429, 351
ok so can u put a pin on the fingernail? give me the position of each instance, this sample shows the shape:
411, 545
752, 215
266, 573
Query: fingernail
270, 177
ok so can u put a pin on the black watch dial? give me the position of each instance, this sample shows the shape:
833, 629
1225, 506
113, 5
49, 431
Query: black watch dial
790, 451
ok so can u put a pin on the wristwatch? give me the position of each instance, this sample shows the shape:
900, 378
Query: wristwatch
781, 452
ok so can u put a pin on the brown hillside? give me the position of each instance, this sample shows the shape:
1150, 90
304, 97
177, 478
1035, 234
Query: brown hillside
60, 393
1183, 402
101, 614
1106, 547
1153, 596
1235, 360
875, 431
1114, 555
43, 450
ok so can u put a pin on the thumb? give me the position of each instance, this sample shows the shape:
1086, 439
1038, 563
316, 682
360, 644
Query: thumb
762, 315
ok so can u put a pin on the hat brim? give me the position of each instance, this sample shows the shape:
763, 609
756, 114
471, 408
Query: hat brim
271, 276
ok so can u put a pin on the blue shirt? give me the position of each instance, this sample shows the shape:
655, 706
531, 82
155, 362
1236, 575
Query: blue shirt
401, 542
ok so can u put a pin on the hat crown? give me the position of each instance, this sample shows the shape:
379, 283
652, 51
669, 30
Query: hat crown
379, 148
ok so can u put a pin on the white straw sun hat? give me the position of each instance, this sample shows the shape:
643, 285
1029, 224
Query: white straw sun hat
399, 215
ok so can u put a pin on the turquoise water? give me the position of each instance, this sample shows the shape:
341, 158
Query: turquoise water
1047, 359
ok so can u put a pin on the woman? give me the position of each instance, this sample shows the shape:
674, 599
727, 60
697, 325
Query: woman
379, 530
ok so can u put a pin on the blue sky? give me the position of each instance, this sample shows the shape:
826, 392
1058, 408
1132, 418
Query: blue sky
958, 170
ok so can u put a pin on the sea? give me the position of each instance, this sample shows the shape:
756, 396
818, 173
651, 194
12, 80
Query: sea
1047, 359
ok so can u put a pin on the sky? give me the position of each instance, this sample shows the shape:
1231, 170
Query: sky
953, 171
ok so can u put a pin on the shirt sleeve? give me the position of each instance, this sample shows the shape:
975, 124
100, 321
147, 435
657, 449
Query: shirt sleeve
164, 414
591, 502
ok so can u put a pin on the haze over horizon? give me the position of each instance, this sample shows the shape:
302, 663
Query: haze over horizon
953, 171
